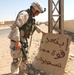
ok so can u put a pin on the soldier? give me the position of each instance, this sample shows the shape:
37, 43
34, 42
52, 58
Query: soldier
21, 30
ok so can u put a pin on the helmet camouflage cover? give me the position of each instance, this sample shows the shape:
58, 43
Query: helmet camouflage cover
37, 6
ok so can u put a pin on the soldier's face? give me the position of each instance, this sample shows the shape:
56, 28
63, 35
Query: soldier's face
35, 12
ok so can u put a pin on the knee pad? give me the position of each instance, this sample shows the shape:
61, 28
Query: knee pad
15, 60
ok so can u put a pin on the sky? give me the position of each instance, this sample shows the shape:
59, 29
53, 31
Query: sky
10, 8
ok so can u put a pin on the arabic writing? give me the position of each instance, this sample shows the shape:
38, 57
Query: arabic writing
54, 41
61, 54
67, 44
48, 62
53, 53
44, 50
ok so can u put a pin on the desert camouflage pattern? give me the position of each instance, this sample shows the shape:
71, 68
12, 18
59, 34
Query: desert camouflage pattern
19, 62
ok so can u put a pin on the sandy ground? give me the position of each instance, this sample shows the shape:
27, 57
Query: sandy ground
5, 57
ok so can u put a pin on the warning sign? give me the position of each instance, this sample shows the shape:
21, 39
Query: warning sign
53, 53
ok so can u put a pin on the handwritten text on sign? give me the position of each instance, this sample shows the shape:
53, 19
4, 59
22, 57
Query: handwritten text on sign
53, 53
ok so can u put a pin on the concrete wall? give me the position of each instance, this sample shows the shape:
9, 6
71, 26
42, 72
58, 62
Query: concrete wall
69, 25
2, 22
6, 22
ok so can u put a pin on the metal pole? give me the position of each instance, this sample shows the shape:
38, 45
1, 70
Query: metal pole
61, 16
49, 16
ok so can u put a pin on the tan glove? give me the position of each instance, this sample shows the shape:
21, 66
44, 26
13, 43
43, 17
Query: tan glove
43, 33
18, 45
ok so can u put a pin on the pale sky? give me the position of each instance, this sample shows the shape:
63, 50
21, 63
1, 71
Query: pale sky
10, 8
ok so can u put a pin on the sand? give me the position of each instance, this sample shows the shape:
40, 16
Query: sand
5, 57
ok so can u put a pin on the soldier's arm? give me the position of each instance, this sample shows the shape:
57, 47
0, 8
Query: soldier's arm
20, 20
40, 23
39, 30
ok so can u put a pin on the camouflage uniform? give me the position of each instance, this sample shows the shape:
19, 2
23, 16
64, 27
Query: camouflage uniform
15, 35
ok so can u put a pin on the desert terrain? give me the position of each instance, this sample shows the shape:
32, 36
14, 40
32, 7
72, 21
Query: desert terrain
5, 57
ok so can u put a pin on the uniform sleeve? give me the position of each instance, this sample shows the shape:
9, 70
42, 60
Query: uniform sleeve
14, 34
37, 29
20, 20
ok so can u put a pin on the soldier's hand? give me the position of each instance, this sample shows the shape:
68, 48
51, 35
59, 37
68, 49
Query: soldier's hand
18, 45
43, 33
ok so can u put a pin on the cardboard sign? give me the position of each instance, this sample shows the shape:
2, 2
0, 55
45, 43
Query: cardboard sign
53, 54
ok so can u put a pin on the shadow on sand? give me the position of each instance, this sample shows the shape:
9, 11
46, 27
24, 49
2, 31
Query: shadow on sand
30, 70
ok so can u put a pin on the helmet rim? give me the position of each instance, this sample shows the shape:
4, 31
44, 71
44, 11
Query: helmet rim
37, 6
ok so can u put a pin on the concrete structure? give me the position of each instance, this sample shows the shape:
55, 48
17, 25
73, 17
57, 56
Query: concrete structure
69, 25
6, 22
2, 22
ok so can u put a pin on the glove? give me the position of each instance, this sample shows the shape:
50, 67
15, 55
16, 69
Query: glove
38, 23
18, 45
43, 33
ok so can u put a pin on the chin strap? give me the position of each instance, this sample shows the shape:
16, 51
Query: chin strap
44, 10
